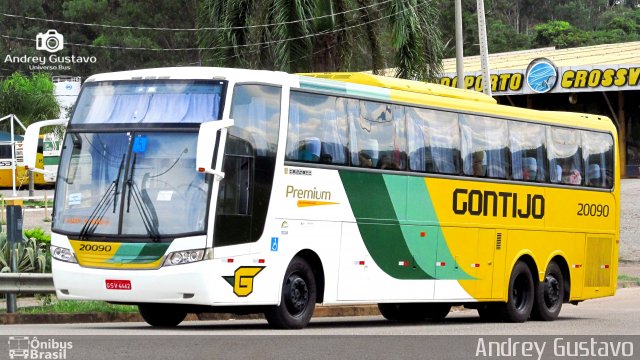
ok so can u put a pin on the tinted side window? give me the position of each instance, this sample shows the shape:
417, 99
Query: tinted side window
485, 146
433, 139
528, 151
375, 135
317, 129
565, 159
597, 151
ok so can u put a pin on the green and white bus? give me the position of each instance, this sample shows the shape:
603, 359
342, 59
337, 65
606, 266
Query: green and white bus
227, 190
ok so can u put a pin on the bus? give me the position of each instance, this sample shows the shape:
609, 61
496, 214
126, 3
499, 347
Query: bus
20, 176
191, 190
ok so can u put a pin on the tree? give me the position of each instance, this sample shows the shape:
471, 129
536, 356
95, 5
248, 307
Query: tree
123, 20
18, 28
559, 34
30, 98
307, 35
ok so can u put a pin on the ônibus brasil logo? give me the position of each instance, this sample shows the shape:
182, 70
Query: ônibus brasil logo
50, 41
25, 347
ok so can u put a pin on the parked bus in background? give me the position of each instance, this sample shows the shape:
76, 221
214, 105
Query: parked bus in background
21, 174
207, 189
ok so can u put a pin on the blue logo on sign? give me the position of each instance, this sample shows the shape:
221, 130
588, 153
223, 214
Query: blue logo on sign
274, 244
541, 75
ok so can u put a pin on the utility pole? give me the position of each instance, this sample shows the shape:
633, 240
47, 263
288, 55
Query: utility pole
484, 50
459, 46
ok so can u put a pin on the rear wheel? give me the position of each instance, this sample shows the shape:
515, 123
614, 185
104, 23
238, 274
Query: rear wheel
162, 315
521, 295
549, 295
298, 298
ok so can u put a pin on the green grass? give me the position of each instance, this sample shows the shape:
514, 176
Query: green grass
629, 280
37, 203
78, 307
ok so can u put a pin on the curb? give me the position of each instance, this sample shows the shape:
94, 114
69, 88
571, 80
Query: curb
23, 319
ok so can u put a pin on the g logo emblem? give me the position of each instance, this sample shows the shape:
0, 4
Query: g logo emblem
242, 279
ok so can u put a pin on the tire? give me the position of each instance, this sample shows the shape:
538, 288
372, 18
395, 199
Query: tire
162, 315
412, 312
298, 299
549, 295
521, 295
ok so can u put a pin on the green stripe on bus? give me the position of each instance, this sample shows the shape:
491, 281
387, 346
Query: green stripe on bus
51, 160
385, 242
138, 253
398, 224
341, 88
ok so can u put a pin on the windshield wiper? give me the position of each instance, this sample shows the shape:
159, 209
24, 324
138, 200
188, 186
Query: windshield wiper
98, 212
144, 205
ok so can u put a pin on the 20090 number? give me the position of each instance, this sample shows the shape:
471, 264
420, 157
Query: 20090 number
598, 210
95, 248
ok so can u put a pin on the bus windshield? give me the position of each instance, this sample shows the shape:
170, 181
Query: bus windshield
136, 183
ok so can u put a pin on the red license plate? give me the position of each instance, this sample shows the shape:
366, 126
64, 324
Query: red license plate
118, 284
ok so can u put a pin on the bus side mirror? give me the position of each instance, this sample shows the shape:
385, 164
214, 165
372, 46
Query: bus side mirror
211, 140
30, 142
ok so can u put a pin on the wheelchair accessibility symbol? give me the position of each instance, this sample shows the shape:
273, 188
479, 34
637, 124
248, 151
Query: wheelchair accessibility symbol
274, 244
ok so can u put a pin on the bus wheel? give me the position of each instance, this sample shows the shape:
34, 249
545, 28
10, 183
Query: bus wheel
521, 295
162, 315
549, 295
298, 298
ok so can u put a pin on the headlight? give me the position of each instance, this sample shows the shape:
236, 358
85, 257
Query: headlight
63, 254
188, 256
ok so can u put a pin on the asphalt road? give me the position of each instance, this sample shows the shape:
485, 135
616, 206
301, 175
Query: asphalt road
612, 323
617, 315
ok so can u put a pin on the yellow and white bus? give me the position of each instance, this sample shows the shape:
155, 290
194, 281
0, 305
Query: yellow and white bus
208, 189
19, 177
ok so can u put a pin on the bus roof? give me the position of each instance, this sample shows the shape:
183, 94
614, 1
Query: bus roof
405, 85
372, 86
194, 73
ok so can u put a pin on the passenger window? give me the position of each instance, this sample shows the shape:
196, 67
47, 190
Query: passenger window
564, 153
375, 135
485, 146
433, 141
597, 151
317, 129
528, 151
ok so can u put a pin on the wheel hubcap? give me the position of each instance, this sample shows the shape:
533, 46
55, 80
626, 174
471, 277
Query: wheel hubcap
298, 295
520, 293
551, 291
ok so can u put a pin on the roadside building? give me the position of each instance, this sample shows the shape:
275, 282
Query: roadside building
602, 79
